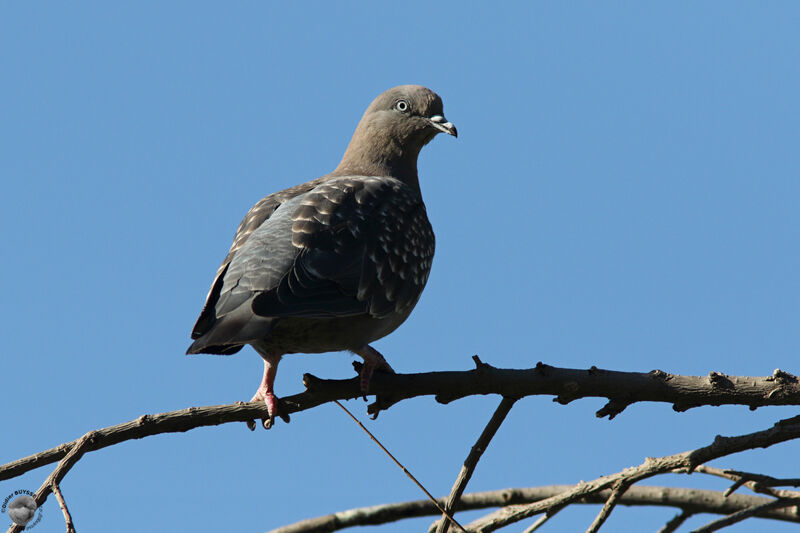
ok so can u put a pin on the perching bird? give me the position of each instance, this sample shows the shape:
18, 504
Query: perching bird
335, 263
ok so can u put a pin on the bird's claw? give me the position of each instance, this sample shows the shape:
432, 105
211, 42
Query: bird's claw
271, 402
373, 360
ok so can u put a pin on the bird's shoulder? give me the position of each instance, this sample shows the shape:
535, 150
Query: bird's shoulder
263, 210
354, 208
364, 244
254, 219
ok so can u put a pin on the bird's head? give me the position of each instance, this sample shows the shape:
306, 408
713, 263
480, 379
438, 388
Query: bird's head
393, 130
409, 114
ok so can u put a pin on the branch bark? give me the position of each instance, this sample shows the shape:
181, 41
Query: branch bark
617, 491
691, 501
756, 482
685, 462
566, 384
472, 460
70, 458
64, 509
676, 522
744, 514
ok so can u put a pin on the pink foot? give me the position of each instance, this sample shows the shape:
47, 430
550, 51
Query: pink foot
265, 391
373, 360
272, 407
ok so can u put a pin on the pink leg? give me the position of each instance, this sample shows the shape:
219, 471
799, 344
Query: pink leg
373, 360
265, 391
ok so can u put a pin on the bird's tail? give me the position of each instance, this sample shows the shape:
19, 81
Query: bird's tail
230, 332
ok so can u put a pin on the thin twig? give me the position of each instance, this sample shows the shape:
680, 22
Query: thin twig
743, 515
736, 484
542, 520
472, 460
764, 480
64, 509
616, 492
54, 479
403, 468
676, 522
758, 483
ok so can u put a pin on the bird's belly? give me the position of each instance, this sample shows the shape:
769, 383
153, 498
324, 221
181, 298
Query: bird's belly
318, 335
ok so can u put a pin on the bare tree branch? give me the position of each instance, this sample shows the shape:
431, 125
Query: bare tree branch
472, 460
682, 462
621, 388
78, 449
144, 426
616, 493
744, 514
64, 509
690, 500
542, 520
755, 482
676, 522
400, 465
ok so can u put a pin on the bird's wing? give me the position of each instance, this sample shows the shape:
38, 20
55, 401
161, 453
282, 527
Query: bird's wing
254, 219
364, 245
345, 246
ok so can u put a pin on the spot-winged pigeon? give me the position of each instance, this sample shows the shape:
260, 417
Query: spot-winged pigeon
335, 263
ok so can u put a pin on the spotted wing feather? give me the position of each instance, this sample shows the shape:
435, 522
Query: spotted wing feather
213, 308
365, 246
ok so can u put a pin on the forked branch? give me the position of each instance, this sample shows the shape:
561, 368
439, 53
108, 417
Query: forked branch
685, 462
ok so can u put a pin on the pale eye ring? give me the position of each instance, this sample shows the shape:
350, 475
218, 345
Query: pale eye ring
402, 105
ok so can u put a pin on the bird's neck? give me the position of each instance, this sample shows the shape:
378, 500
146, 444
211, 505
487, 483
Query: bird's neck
376, 153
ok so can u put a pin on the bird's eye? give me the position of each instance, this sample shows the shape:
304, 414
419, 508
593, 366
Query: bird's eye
402, 106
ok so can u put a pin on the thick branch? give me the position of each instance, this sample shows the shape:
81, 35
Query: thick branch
681, 462
621, 388
691, 500
568, 384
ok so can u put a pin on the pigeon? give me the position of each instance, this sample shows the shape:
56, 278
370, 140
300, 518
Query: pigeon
335, 263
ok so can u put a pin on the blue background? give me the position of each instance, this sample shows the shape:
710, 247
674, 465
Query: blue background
623, 193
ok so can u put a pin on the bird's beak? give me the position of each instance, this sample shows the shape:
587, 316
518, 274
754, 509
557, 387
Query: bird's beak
441, 124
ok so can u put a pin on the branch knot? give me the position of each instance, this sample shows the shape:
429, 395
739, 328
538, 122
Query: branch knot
659, 374
784, 378
719, 380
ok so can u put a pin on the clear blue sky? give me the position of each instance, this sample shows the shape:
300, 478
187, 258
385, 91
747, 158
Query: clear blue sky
624, 193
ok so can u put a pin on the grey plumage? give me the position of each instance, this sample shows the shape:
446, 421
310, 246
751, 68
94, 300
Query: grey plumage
337, 262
